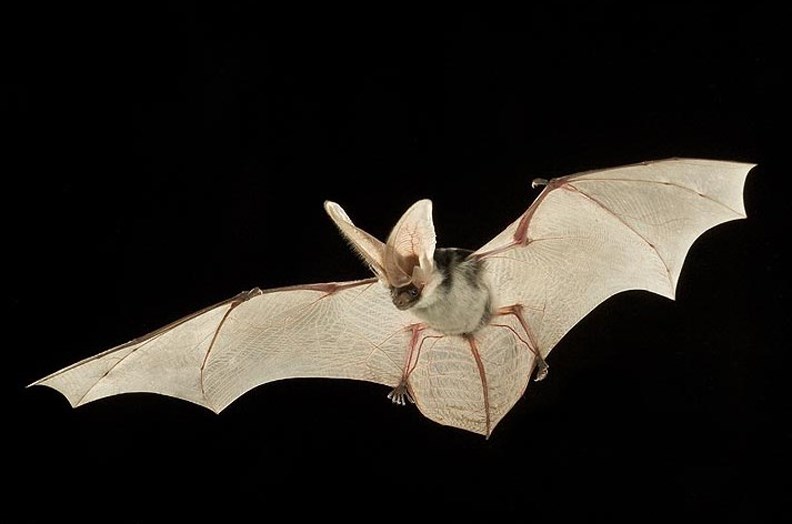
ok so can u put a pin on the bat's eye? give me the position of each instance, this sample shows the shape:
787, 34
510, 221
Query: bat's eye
413, 292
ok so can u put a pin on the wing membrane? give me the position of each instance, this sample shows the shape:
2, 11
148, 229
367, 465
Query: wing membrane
595, 234
337, 330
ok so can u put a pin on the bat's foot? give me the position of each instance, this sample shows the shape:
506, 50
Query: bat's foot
540, 366
541, 370
401, 395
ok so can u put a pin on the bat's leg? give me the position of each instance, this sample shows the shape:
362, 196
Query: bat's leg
541, 366
483, 376
401, 394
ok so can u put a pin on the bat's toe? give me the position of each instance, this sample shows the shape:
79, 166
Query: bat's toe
401, 395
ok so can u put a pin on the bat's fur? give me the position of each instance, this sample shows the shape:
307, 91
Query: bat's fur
459, 302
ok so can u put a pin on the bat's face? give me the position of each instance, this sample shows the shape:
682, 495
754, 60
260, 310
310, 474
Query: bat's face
405, 297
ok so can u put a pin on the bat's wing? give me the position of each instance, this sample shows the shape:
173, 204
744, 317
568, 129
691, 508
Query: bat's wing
594, 234
337, 330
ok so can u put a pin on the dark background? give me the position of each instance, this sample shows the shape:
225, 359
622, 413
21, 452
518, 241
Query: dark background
162, 159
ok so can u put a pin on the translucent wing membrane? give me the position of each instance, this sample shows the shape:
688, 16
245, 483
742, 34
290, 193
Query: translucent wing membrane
591, 235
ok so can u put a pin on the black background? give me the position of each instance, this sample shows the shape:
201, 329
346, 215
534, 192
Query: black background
163, 159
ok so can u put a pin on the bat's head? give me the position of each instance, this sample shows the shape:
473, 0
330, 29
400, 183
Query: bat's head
405, 263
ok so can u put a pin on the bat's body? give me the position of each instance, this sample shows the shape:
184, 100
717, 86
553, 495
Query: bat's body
461, 303
459, 333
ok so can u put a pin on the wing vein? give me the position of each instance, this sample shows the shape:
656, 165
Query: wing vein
664, 183
621, 221
119, 361
234, 304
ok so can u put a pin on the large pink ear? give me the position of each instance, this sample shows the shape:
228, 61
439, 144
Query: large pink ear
366, 245
409, 252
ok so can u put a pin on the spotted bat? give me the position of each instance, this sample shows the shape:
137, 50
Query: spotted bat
458, 333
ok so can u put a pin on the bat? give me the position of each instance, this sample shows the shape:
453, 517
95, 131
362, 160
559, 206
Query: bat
458, 333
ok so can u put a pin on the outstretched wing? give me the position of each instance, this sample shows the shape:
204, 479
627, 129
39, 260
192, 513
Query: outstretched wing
591, 235
337, 330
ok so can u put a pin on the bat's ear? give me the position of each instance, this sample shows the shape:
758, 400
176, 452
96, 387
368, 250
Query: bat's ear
366, 245
409, 252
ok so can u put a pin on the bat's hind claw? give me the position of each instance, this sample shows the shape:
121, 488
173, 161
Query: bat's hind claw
401, 395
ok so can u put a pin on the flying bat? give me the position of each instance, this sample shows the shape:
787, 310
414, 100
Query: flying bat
458, 333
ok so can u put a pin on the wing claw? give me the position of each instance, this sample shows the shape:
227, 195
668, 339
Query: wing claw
541, 370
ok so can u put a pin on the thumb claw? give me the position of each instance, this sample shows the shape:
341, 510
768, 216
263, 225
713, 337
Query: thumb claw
541, 373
